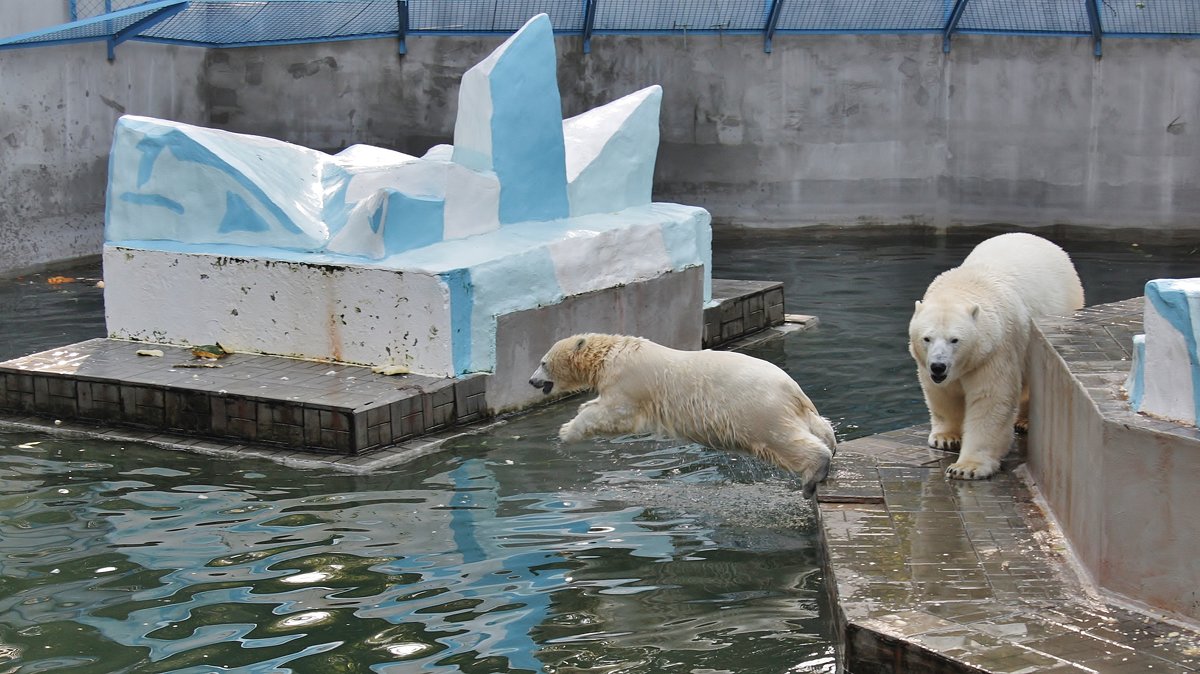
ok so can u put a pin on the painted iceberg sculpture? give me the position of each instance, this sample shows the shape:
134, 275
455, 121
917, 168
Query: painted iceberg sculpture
1164, 379
378, 257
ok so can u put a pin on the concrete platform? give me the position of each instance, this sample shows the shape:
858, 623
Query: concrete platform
940, 576
282, 407
320, 407
933, 575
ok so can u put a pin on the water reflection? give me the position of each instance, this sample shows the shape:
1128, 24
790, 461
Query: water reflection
507, 552
114, 559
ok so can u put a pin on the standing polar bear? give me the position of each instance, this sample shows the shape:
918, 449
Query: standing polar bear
969, 336
721, 399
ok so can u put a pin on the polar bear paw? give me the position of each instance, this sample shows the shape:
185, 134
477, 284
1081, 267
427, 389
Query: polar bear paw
569, 432
972, 469
951, 442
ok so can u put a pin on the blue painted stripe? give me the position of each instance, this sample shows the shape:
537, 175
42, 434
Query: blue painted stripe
462, 301
153, 200
239, 217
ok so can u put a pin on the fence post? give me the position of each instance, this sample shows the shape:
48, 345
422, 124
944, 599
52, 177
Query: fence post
589, 20
1093, 12
73, 9
952, 23
402, 26
772, 21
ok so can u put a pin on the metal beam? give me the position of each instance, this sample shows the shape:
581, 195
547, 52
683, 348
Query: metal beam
960, 6
132, 30
589, 20
1093, 12
402, 30
772, 21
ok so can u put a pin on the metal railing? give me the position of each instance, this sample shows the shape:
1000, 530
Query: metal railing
236, 23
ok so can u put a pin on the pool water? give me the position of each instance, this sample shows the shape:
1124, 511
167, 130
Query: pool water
507, 552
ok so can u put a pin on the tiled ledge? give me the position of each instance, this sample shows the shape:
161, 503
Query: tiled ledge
935, 575
265, 400
742, 308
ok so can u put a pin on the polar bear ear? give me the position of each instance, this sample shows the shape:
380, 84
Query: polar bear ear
974, 311
917, 306
580, 342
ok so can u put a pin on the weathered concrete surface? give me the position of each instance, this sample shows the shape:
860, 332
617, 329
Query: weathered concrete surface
57, 115
827, 129
1122, 485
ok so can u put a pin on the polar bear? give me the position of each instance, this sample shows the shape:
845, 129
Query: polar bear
969, 336
721, 399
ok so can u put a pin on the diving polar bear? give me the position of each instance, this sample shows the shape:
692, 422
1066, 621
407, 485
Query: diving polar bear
721, 399
969, 336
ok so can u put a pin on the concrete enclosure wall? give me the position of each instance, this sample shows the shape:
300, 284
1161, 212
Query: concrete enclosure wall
1122, 486
874, 129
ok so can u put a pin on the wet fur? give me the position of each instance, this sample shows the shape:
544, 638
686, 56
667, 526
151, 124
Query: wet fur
720, 399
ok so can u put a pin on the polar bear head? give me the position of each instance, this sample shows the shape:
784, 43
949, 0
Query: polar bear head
942, 336
574, 363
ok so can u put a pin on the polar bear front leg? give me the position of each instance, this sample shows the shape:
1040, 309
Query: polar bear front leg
991, 409
946, 404
595, 418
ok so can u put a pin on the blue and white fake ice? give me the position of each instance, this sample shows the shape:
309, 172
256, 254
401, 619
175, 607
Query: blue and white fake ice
523, 210
1164, 380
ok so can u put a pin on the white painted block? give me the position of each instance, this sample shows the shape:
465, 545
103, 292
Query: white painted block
307, 309
610, 153
1170, 366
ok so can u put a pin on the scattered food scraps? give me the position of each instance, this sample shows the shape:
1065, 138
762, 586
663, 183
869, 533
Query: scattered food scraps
390, 369
157, 353
56, 280
209, 351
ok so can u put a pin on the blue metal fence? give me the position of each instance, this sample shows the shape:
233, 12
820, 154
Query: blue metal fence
236, 23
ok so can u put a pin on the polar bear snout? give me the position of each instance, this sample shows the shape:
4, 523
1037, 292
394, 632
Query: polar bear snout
541, 379
938, 371
544, 384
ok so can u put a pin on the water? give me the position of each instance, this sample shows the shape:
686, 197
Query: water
506, 552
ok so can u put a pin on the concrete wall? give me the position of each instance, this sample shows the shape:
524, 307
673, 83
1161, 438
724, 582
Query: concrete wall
827, 129
1121, 485
56, 123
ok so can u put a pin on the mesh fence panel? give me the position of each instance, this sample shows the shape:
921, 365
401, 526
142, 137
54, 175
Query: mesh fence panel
488, 16
683, 15
1178, 17
1026, 16
228, 22
89, 8
864, 15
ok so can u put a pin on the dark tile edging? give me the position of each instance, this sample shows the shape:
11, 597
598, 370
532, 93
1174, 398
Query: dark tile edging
393, 416
742, 308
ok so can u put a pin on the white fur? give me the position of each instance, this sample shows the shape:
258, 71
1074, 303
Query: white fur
972, 329
721, 399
